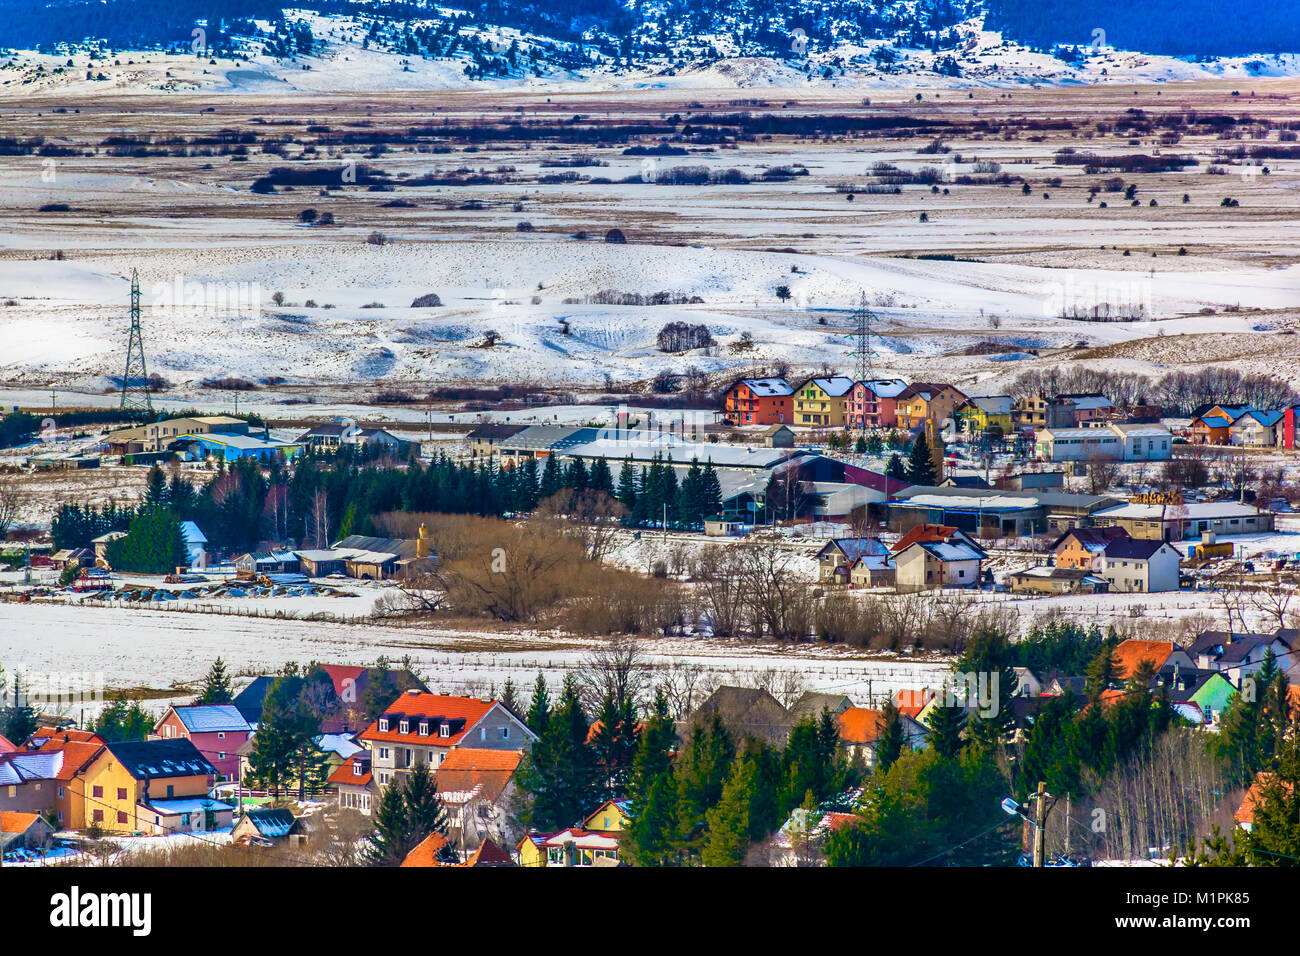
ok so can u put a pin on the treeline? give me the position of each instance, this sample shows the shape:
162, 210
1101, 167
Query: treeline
1180, 392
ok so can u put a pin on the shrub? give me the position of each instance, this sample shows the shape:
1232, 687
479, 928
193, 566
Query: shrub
429, 300
615, 235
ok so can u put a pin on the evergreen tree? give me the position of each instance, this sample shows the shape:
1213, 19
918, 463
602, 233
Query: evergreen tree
390, 840
943, 728
728, 822
627, 486
875, 446
896, 469
424, 810
890, 740
551, 478
711, 494
216, 685
510, 697
920, 466
601, 479
539, 709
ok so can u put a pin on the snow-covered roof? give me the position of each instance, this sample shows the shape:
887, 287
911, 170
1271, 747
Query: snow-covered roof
950, 550
769, 386
886, 387
839, 385
993, 404
192, 534
211, 718
178, 805
1190, 511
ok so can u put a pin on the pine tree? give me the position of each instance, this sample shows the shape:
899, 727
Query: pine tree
551, 478
944, 725
728, 822
890, 740
920, 466
711, 495
216, 685
424, 810
601, 478
896, 469
390, 840
539, 709
627, 486
510, 696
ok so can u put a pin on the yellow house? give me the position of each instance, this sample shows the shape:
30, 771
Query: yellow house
610, 817
983, 413
150, 786
823, 402
926, 403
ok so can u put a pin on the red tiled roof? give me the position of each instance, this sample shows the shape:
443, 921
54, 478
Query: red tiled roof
911, 701
489, 854
838, 821
75, 757
858, 725
417, 705
1129, 654
426, 851
5, 746
466, 768
924, 532
11, 822
345, 775
1246, 812
55, 739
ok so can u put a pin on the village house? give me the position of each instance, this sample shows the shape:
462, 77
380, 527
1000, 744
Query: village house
217, 730
611, 818
1083, 549
1086, 407
1129, 655
759, 401
425, 728
1045, 579
1255, 428
822, 402
1135, 564
778, 436
860, 729
228, 447
871, 405
571, 847
477, 788
153, 787
743, 710
873, 571
1236, 655
51, 762
926, 405
332, 436
265, 826
982, 414
26, 831
954, 562
436, 850
835, 557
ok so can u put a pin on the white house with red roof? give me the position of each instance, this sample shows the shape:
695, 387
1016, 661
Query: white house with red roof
424, 728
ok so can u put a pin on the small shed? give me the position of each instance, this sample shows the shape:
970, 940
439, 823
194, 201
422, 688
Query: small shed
778, 436
265, 823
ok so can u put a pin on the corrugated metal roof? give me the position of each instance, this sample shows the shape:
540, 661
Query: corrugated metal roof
211, 718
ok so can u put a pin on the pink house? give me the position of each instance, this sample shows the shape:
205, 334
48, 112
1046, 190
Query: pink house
216, 730
871, 404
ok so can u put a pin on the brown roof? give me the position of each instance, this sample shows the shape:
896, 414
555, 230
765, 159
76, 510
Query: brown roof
860, 725
924, 532
1132, 652
466, 768
426, 851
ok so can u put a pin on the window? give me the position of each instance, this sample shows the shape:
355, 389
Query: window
505, 733
121, 793
221, 756
383, 753
94, 791
358, 770
444, 730
383, 725
424, 728
60, 793
121, 816
97, 816
221, 735
170, 791
404, 727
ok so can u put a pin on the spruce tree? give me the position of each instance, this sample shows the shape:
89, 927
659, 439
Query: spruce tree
216, 685
390, 839
944, 725
896, 469
539, 709
920, 466
890, 740
728, 822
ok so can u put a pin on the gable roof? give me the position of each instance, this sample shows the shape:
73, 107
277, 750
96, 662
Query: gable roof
489, 854
768, 387
211, 718
812, 703
428, 851
151, 759
14, 822
5, 746
853, 548
468, 769
1091, 539
1132, 652
924, 532
461, 714
1138, 549
860, 725
251, 699
492, 432
835, 386
271, 823
346, 772
746, 709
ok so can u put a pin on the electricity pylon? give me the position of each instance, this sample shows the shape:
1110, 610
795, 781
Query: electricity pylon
135, 382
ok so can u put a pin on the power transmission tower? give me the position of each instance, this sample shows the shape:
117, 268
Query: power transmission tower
862, 319
135, 382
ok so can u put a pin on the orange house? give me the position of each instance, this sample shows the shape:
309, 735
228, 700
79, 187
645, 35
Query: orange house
760, 401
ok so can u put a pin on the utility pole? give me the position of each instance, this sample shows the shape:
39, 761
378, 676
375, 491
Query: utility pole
1040, 824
